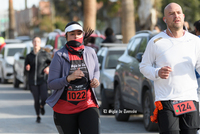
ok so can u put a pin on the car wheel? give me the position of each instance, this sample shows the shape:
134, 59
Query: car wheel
104, 103
118, 107
3, 80
16, 82
148, 108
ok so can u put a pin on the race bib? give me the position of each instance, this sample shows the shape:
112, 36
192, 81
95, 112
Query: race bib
182, 107
76, 95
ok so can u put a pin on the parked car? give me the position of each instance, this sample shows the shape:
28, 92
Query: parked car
107, 57
132, 90
23, 38
7, 60
12, 41
56, 39
18, 67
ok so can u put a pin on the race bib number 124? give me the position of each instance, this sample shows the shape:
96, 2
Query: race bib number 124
183, 107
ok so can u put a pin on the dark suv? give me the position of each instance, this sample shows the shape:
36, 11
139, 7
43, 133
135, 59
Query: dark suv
132, 90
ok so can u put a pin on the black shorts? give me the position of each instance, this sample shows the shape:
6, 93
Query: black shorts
167, 121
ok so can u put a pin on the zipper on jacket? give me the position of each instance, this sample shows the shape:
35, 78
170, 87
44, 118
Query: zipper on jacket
35, 77
95, 98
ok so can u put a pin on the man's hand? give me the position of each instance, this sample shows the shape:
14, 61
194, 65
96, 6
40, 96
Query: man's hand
94, 83
28, 67
78, 74
46, 70
164, 72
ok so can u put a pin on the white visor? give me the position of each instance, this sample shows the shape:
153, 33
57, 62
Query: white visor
73, 27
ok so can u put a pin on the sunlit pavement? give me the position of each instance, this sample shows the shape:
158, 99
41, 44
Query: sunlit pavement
17, 115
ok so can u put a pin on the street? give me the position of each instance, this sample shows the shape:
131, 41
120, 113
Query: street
17, 115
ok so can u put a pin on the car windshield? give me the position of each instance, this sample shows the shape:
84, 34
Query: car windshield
12, 51
61, 42
112, 59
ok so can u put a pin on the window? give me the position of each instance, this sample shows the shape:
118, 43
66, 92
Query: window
61, 42
133, 49
2, 52
112, 59
51, 41
101, 54
143, 45
25, 52
12, 51
130, 44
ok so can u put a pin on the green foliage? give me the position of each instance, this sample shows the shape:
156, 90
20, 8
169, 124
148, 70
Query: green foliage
46, 24
60, 23
113, 9
109, 9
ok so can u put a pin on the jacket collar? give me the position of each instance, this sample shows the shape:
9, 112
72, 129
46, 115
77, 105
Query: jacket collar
66, 56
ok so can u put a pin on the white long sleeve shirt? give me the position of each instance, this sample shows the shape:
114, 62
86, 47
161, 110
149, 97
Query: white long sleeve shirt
183, 56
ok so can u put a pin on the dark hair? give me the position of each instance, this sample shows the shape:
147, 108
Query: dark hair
197, 25
72, 22
91, 40
108, 31
88, 32
35, 37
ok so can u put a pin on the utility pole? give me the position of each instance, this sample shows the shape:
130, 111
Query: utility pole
25, 4
11, 20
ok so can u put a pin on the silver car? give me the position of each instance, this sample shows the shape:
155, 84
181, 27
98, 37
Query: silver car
7, 60
108, 59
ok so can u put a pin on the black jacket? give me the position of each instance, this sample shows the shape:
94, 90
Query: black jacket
38, 63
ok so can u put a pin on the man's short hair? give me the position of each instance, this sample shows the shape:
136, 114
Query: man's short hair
109, 32
197, 25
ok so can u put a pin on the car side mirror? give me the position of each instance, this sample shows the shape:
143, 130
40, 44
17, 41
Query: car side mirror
22, 57
139, 56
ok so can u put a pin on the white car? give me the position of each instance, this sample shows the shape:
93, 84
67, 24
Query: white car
108, 59
18, 67
7, 60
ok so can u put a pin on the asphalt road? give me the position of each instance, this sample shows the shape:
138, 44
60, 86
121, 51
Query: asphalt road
17, 116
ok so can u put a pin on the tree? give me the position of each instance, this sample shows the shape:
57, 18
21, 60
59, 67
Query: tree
69, 9
108, 11
45, 24
148, 14
90, 14
11, 20
128, 23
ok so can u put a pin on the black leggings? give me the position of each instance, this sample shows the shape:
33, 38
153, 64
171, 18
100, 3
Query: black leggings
39, 92
87, 122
